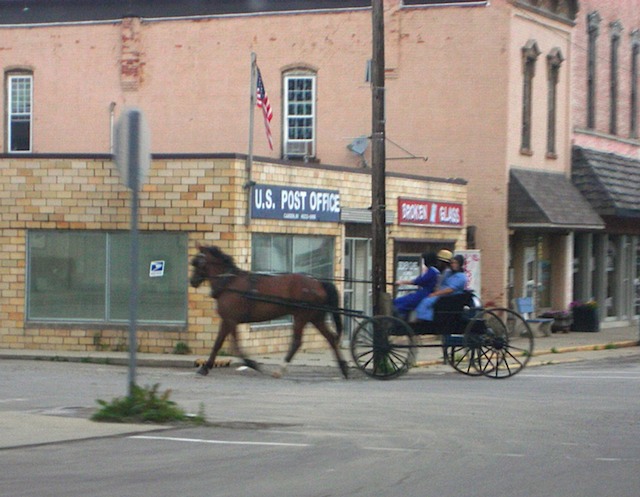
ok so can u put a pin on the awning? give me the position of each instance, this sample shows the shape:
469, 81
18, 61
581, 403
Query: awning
610, 182
548, 201
362, 216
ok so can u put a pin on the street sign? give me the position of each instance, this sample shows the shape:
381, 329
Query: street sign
133, 158
132, 147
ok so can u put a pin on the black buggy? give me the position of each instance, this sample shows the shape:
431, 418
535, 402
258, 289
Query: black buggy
475, 341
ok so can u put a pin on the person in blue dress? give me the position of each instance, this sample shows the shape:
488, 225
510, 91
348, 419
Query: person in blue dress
454, 281
426, 282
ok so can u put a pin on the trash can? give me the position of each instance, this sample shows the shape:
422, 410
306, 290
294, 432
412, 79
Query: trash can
585, 318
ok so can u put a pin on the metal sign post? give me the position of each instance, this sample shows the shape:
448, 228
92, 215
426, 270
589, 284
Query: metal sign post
133, 160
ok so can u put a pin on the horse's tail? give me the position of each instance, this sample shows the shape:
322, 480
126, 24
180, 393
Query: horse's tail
333, 301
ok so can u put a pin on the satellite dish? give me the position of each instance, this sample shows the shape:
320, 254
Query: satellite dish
359, 145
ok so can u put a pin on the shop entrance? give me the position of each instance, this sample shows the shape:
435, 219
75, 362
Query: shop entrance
357, 280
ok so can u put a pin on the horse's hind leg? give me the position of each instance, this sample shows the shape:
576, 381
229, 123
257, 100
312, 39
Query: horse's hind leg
236, 345
296, 341
333, 340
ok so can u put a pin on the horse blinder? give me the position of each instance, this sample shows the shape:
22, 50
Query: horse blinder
198, 275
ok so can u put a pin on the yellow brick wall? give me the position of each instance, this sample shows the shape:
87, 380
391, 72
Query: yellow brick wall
203, 197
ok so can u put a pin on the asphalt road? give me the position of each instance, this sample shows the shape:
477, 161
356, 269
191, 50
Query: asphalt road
559, 430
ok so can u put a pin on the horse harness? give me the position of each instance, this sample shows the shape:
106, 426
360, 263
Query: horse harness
223, 281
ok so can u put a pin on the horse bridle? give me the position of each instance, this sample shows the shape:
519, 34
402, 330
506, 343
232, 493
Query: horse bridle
221, 280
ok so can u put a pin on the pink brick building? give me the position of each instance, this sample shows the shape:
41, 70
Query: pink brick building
606, 153
483, 89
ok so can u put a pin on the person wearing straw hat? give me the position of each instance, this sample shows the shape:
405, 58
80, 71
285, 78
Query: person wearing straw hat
454, 281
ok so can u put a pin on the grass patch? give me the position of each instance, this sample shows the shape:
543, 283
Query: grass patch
181, 348
145, 405
554, 350
610, 346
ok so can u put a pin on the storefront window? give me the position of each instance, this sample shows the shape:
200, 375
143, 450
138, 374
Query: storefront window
612, 257
636, 279
311, 255
85, 276
293, 254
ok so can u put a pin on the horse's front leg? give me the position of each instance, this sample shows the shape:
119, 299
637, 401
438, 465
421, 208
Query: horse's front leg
222, 334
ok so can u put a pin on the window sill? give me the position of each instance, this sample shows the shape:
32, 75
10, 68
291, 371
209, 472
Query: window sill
526, 151
89, 325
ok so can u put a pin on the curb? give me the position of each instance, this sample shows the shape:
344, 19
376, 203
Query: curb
554, 352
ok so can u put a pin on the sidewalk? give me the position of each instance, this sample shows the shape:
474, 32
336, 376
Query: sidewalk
19, 429
559, 347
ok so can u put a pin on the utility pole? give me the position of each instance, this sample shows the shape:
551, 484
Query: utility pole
378, 193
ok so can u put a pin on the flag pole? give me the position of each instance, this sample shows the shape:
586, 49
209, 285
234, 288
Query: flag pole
248, 186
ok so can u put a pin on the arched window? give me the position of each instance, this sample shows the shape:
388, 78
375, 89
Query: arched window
616, 32
299, 112
554, 61
593, 30
19, 94
530, 53
635, 53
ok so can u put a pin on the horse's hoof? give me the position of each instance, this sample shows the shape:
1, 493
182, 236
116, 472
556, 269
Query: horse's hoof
203, 370
252, 364
344, 367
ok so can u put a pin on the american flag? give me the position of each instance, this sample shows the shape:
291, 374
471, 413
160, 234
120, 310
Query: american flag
262, 101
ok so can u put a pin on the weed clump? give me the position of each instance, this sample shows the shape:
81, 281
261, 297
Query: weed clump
144, 405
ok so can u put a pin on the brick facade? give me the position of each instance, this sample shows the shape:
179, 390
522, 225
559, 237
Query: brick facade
202, 196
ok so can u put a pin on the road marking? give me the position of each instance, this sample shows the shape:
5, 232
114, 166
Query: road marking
586, 376
3, 401
219, 442
391, 449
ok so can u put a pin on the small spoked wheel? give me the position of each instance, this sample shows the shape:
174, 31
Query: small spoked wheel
502, 342
383, 347
459, 355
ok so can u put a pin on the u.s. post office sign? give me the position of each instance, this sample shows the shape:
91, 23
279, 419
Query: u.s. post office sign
294, 203
429, 213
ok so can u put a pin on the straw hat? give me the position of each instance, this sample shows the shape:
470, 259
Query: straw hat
445, 255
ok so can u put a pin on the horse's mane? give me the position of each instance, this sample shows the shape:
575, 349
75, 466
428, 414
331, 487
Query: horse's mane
216, 253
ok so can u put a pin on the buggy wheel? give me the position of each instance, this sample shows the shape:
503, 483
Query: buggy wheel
460, 357
503, 342
383, 347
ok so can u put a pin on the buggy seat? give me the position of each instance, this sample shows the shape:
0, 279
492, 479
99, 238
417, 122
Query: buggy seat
451, 315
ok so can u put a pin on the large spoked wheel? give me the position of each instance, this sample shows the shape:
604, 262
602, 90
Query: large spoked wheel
459, 355
383, 347
502, 341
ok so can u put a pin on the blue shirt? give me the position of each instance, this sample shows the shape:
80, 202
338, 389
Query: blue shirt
456, 281
428, 280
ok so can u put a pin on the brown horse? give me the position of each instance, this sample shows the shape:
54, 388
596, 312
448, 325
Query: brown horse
245, 297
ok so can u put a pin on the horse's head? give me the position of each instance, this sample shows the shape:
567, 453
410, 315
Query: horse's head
208, 263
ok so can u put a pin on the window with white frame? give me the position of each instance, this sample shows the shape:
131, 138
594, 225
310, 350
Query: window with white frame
299, 115
85, 276
19, 107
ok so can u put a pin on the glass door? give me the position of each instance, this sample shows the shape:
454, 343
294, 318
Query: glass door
357, 276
